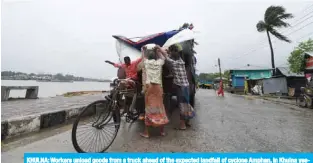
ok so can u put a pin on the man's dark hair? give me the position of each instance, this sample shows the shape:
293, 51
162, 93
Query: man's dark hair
126, 58
173, 48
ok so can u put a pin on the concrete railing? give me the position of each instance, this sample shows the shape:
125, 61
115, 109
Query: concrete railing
31, 91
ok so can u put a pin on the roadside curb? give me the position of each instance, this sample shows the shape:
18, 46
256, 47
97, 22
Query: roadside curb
34, 123
271, 99
281, 102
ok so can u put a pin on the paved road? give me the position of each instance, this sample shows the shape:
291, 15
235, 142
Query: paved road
225, 124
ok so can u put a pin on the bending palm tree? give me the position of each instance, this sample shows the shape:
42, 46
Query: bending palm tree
274, 18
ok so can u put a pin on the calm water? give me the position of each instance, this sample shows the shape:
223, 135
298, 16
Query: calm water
51, 89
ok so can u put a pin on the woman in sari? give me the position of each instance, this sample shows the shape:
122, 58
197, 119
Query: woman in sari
155, 114
221, 89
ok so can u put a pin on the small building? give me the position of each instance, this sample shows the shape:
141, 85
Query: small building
284, 82
254, 75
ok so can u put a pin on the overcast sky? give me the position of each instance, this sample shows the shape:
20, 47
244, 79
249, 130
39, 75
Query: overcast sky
75, 36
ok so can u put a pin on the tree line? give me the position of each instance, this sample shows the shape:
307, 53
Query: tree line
58, 76
296, 59
211, 76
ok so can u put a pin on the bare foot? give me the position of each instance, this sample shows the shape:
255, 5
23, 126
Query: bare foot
142, 117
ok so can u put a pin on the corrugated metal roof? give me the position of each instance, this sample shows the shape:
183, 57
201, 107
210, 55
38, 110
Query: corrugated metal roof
286, 72
252, 68
309, 53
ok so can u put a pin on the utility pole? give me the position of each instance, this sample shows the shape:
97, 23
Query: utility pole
219, 66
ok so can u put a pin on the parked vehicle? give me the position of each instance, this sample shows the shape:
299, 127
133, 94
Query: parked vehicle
306, 96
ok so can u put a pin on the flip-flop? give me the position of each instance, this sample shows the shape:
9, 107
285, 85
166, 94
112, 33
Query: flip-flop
144, 135
163, 134
178, 128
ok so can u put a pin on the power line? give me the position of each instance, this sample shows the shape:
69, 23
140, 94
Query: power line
303, 36
299, 29
292, 26
263, 45
303, 16
308, 7
302, 21
253, 50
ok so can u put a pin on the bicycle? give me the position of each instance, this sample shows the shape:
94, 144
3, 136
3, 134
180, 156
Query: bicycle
109, 116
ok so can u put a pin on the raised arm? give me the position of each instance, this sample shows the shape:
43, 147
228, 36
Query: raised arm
114, 64
162, 51
137, 61
160, 54
143, 49
164, 54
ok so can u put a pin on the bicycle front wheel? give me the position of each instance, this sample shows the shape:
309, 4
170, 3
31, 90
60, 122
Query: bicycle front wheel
96, 127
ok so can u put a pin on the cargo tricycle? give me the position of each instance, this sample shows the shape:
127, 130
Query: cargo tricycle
97, 125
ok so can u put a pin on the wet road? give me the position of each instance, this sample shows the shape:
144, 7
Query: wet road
227, 124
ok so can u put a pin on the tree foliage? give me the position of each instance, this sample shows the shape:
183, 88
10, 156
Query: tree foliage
211, 76
296, 59
274, 17
226, 74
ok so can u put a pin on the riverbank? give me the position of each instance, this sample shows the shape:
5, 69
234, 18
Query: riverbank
52, 89
80, 93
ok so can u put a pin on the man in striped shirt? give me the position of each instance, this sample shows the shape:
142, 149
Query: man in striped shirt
181, 84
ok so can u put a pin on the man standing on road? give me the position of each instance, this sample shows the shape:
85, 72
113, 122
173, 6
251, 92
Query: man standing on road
181, 84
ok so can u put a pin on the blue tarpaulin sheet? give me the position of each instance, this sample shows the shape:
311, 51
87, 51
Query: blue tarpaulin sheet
158, 39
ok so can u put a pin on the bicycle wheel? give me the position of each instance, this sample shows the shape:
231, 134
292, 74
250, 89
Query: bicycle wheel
96, 127
300, 101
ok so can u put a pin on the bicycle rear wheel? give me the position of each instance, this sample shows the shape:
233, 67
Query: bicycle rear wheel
300, 101
96, 127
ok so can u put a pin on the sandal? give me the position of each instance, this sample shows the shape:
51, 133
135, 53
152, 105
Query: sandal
144, 135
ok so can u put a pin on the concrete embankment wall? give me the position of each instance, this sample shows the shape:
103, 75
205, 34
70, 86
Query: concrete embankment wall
68, 109
22, 125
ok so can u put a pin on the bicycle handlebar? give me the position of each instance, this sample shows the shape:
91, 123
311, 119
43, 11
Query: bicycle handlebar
127, 80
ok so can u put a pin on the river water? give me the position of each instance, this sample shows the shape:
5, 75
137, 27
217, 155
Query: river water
51, 89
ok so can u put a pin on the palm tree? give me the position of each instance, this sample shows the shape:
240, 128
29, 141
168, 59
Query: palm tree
274, 18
